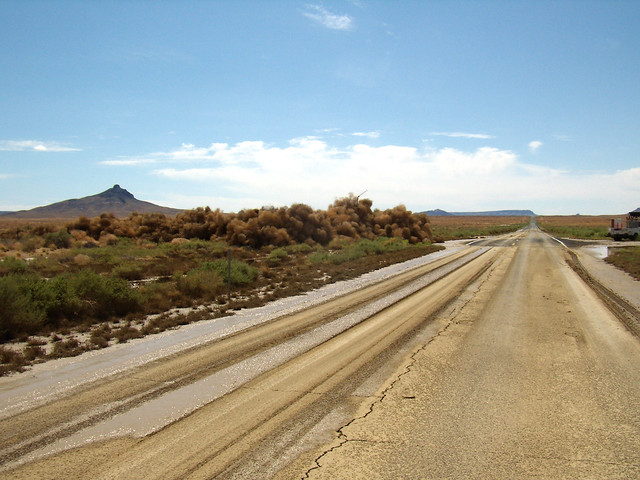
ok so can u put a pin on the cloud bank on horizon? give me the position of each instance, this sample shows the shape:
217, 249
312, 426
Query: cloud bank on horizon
311, 170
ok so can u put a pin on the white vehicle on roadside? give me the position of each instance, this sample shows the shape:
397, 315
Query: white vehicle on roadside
632, 229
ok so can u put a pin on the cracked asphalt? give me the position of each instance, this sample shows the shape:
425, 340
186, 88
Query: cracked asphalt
534, 378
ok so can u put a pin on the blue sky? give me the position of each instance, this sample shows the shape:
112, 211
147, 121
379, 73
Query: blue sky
459, 105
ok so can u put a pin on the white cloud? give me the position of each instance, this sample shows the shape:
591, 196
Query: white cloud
483, 161
328, 19
462, 135
535, 145
563, 138
366, 134
129, 162
34, 145
310, 170
328, 130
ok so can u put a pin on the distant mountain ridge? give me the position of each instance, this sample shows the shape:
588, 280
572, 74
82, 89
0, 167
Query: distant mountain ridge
494, 213
115, 200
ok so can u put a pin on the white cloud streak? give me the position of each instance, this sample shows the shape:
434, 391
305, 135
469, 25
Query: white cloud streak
480, 136
129, 162
366, 134
309, 170
34, 146
327, 19
563, 138
535, 145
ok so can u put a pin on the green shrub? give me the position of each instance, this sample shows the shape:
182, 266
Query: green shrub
30, 303
60, 239
318, 257
208, 246
299, 248
60, 298
106, 296
49, 266
200, 283
626, 258
128, 271
241, 273
159, 296
345, 251
11, 265
22, 312
576, 231
277, 255
31, 244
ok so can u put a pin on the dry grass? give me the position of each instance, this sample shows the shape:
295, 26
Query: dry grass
8, 222
455, 227
628, 259
577, 220
593, 227
476, 221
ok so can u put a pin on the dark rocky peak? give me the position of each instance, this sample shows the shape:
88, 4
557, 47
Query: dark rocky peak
118, 193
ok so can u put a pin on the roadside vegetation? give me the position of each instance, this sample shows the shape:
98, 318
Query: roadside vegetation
575, 226
457, 227
66, 289
588, 227
626, 258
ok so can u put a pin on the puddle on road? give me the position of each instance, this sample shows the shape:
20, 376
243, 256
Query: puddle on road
597, 251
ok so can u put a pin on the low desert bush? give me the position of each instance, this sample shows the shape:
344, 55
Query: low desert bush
30, 303
626, 258
66, 348
299, 248
129, 271
11, 361
59, 239
347, 251
200, 283
277, 255
318, 257
32, 352
105, 296
22, 309
241, 272
9, 265
126, 333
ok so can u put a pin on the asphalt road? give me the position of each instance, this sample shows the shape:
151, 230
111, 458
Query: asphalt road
494, 362
536, 379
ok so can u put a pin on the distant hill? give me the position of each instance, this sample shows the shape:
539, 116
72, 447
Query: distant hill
495, 213
116, 200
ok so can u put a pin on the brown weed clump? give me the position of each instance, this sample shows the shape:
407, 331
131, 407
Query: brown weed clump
349, 217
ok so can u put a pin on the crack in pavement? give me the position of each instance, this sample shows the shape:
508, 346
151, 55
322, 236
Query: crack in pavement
452, 319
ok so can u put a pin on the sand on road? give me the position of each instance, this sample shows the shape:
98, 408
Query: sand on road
533, 379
